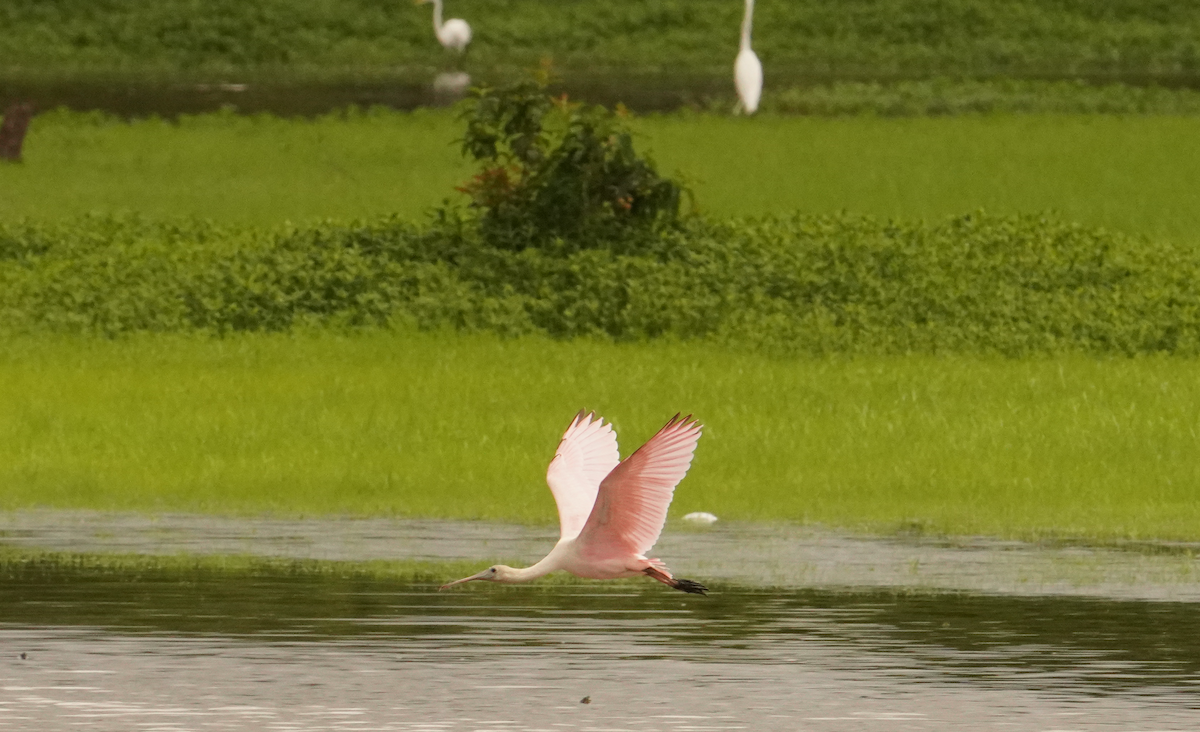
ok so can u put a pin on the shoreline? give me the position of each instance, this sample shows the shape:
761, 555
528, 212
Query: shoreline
746, 555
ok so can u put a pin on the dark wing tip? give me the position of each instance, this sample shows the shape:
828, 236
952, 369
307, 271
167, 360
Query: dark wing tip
690, 586
688, 422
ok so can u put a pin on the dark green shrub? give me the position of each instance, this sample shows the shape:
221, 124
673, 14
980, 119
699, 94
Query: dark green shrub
556, 172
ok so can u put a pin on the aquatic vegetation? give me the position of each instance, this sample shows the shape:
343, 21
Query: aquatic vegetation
30, 564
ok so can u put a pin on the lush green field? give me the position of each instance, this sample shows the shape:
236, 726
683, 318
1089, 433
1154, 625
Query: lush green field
847, 38
1135, 174
451, 426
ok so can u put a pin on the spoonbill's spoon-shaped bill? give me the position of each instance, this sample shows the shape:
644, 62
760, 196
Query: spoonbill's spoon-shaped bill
747, 69
610, 511
454, 34
700, 517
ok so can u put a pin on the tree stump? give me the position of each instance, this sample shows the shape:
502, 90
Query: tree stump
12, 132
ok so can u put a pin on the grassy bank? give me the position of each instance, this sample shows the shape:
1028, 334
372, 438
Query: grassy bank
1133, 174
451, 426
319, 38
31, 564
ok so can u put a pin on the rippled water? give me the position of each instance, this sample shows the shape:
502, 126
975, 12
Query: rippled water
211, 651
272, 650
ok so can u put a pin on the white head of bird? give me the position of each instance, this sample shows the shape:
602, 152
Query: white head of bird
454, 34
494, 573
747, 69
610, 511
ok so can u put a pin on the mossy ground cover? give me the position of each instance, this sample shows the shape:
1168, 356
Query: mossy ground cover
1132, 173
438, 425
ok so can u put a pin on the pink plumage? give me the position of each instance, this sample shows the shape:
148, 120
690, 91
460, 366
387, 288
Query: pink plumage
611, 512
586, 453
632, 503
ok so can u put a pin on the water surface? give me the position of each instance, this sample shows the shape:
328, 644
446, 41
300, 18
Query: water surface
208, 650
131, 96
806, 630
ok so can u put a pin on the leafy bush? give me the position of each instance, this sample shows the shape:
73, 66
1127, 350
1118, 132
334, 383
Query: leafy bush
557, 172
804, 284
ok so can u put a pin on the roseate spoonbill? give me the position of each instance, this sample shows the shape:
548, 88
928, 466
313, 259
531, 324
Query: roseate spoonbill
611, 511
454, 34
747, 69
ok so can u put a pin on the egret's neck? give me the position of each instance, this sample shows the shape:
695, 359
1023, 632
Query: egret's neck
437, 16
747, 21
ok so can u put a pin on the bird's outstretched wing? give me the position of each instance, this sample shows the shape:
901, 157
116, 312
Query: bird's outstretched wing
587, 453
631, 506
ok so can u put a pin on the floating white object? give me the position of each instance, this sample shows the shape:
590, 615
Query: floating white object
701, 517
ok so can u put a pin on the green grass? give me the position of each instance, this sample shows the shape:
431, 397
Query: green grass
452, 426
848, 38
25, 562
1134, 174
236, 169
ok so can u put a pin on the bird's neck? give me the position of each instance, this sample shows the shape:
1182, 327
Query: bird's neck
527, 573
747, 21
548, 564
437, 16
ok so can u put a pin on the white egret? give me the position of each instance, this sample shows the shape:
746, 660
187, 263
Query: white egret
454, 34
747, 69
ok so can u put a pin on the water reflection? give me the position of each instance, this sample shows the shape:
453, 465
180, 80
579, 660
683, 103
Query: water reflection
392, 655
141, 98
132, 96
450, 86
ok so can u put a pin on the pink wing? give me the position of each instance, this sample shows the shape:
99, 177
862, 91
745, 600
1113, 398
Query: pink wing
631, 507
587, 453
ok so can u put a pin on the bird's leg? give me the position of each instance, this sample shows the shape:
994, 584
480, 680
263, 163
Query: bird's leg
683, 585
